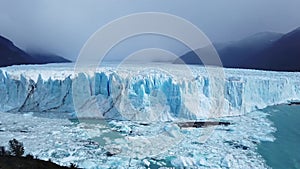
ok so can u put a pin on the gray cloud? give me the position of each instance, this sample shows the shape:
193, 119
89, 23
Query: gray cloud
62, 27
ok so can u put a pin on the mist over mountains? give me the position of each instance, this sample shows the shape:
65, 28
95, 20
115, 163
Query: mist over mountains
12, 55
264, 51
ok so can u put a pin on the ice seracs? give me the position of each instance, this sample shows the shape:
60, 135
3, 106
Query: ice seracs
138, 94
131, 92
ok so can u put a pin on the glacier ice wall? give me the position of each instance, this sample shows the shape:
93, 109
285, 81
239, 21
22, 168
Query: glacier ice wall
146, 96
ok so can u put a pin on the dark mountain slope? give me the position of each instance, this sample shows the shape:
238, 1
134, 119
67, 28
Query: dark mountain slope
234, 53
12, 55
239, 53
283, 55
266, 51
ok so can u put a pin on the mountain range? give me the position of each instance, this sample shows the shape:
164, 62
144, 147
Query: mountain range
263, 51
12, 55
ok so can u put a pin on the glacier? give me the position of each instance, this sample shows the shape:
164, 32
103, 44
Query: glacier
156, 94
134, 93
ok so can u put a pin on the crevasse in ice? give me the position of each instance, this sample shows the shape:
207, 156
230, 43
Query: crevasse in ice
132, 94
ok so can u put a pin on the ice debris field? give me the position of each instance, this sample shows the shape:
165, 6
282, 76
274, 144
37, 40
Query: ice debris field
128, 114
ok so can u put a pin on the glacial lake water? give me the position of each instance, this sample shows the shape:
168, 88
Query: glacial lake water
284, 152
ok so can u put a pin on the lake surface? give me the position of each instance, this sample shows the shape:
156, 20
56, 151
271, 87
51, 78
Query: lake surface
284, 152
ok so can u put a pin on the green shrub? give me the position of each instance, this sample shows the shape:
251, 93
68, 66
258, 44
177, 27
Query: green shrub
16, 148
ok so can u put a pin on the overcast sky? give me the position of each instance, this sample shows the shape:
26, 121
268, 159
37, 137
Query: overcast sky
63, 26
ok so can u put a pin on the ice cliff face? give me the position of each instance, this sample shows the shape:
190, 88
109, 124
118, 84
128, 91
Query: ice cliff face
140, 95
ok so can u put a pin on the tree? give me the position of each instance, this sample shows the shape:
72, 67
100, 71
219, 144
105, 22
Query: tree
16, 148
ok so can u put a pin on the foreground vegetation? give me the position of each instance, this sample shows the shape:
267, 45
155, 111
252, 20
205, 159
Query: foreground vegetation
13, 159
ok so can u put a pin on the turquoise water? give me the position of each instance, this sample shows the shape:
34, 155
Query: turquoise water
284, 152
